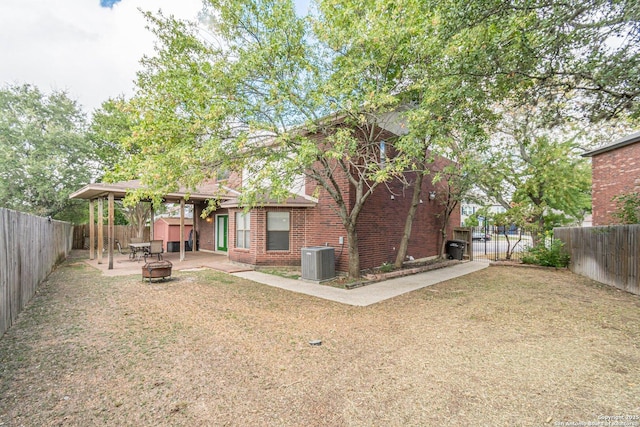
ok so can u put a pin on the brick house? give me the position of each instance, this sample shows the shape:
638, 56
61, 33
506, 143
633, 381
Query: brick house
616, 171
275, 232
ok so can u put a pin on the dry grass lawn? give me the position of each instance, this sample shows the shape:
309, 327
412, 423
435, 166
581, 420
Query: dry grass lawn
502, 347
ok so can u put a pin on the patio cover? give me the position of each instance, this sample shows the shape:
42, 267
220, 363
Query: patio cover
118, 191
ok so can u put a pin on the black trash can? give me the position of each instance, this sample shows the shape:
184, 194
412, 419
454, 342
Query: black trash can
455, 249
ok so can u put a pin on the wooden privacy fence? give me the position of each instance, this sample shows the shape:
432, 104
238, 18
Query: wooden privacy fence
122, 233
30, 247
606, 254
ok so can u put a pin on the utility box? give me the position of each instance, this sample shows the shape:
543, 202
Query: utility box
318, 263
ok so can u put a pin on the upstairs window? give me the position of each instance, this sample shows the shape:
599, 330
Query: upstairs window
383, 152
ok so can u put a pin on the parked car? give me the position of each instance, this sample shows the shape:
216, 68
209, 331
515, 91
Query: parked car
480, 236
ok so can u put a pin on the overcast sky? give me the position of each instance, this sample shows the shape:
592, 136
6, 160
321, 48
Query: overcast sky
89, 48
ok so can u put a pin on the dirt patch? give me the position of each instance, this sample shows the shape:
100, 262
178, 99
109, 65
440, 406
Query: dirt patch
503, 346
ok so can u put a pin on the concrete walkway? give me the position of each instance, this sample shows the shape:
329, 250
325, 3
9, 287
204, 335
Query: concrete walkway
369, 294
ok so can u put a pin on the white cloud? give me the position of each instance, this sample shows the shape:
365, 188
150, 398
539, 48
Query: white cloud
75, 45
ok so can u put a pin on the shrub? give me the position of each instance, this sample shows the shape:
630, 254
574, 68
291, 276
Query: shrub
552, 256
386, 267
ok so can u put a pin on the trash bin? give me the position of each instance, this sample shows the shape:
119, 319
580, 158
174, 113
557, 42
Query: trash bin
455, 249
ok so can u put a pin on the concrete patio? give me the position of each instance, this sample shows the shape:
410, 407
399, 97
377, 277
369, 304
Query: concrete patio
123, 266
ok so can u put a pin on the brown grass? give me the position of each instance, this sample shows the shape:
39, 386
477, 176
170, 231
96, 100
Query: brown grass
504, 346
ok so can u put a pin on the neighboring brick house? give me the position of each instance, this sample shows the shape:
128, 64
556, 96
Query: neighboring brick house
616, 171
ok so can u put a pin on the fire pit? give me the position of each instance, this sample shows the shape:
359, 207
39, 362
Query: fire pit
156, 270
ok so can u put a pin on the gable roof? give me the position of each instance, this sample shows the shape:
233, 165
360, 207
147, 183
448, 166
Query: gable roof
622, 142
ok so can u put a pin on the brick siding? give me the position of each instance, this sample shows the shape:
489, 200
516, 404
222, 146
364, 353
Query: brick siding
615, 172
380, 225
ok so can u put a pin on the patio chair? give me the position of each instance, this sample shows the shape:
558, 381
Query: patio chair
120, 250
156, 247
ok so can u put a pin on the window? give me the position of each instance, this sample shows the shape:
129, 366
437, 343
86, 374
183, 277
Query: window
243, 234
468, 210
383, 152
277, 231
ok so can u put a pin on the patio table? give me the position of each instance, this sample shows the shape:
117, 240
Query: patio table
138, 250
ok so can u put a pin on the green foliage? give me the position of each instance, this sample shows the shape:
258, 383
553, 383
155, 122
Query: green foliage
110, 134
43, 152
552, 255
627, 208
536, 172
516, 215
386, 267
472, 221
239, 99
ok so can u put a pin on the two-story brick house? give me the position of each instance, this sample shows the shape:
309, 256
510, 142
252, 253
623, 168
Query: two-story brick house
275, 232
616, 171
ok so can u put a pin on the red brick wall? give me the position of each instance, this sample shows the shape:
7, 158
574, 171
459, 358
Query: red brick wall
324, 226
234, 181
382, 221
205, 228
380, 227
614, 172
258, 254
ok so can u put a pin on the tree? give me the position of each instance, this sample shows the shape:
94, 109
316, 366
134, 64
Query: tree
240, 96
248, 99
110, 129
538, 170
553, 68
43, 152
459, 179
584, 53
515, 216
110, 136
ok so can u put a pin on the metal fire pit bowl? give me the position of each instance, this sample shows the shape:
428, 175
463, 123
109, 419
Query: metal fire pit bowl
156, 270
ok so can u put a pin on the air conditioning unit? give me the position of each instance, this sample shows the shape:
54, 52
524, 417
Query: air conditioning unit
318, 263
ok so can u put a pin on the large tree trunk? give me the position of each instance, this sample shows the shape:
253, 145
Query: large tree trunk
443, 243
138, 216
408, 224
354, 254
